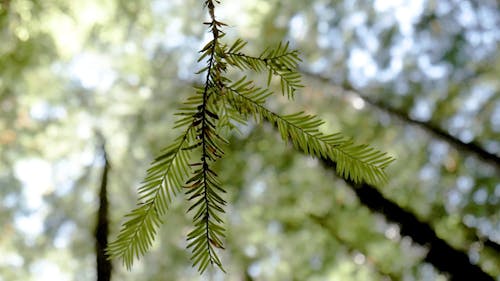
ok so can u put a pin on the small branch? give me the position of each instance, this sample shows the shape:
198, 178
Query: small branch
490, 244
471, 147
323, 222
484, 240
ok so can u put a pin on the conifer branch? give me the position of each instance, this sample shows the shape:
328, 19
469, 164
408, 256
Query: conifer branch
163, 181
359, 163
280, 62
215, 108
203, 186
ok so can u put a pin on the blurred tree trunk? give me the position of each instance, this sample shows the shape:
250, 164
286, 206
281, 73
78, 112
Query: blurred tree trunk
440, 254
104, 265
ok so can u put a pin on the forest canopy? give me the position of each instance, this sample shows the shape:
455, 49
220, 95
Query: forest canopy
89, 89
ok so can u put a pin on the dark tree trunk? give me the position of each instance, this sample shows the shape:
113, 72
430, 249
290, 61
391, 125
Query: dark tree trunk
440, 254
104, 265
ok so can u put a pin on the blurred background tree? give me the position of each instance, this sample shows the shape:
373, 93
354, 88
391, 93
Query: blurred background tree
416, 78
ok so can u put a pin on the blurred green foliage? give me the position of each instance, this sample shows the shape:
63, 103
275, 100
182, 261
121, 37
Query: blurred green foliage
68, 67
